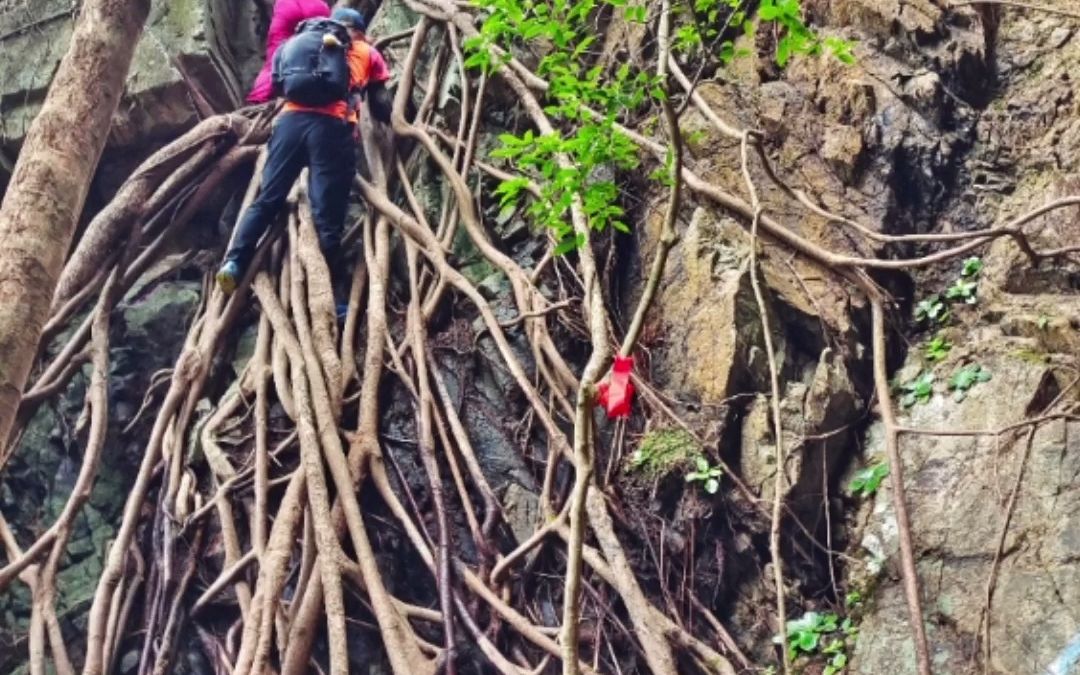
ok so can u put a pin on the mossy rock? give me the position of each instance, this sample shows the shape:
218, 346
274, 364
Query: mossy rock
662, 452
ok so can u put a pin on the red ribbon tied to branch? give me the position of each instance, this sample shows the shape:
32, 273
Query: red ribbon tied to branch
614, 394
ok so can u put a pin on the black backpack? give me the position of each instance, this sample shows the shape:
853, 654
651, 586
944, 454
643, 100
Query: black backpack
312, 68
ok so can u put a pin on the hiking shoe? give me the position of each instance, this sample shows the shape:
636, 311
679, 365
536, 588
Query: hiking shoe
228, 277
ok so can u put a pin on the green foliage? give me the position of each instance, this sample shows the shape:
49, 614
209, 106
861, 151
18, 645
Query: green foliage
972, 267
937, 349
918, 390
797, 38
966, 378
804, 634
837, 657
706, 474
867, 481
852, 599
660, 451
931, 310
1044, 322
815, 633
962, 290
575, 161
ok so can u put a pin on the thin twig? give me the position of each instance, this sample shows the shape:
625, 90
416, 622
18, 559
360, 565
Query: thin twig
774, 380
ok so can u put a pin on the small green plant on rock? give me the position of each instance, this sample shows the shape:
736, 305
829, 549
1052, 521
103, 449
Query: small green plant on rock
931, 310
867, 481
937, 349
852, 599
706, 474
963, 290
661, 451
966, 378
966, 287
804, 634
918, 390
972, 267
815, 633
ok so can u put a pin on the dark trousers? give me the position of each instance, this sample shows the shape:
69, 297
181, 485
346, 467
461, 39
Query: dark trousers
325, 145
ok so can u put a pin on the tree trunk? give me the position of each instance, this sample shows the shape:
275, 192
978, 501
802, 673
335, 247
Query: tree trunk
52, 175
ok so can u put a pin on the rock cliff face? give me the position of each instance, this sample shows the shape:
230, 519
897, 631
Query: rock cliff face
951, 120
190, 50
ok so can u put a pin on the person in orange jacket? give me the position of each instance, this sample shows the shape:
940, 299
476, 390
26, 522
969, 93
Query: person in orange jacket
321, 138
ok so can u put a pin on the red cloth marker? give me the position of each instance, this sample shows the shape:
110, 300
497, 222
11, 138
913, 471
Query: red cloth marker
615, 394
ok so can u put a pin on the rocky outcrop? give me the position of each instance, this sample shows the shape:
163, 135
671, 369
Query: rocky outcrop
189, 49
1024, 331
152, 325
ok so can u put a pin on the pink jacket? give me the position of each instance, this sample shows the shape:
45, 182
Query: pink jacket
287, 16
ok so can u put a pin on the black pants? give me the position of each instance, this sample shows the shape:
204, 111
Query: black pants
325, 145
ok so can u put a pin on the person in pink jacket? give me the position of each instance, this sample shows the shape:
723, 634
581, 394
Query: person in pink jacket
287, 16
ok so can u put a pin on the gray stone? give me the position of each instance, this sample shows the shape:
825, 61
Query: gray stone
1059, 37
957, 488
843, 150
161, 317
213, 41
522, 510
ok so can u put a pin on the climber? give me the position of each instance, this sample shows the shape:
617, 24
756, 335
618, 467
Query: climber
288, 14
377, 73
317, 130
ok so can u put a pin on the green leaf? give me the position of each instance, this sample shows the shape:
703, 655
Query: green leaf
972, 267
841, 49
727, 51
783, 50
768, 11
569, 244
918, 390
967, 377
807, 641
937, 349
712, 485
509, 189
829, 623
930, 309
480, 59
962, 290
636, 14
866, 482
701, 463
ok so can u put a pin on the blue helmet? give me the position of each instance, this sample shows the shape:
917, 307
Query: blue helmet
350, 18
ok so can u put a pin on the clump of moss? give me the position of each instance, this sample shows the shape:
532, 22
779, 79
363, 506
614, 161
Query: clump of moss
662, 451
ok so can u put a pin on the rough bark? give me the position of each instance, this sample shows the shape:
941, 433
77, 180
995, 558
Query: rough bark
51, 178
